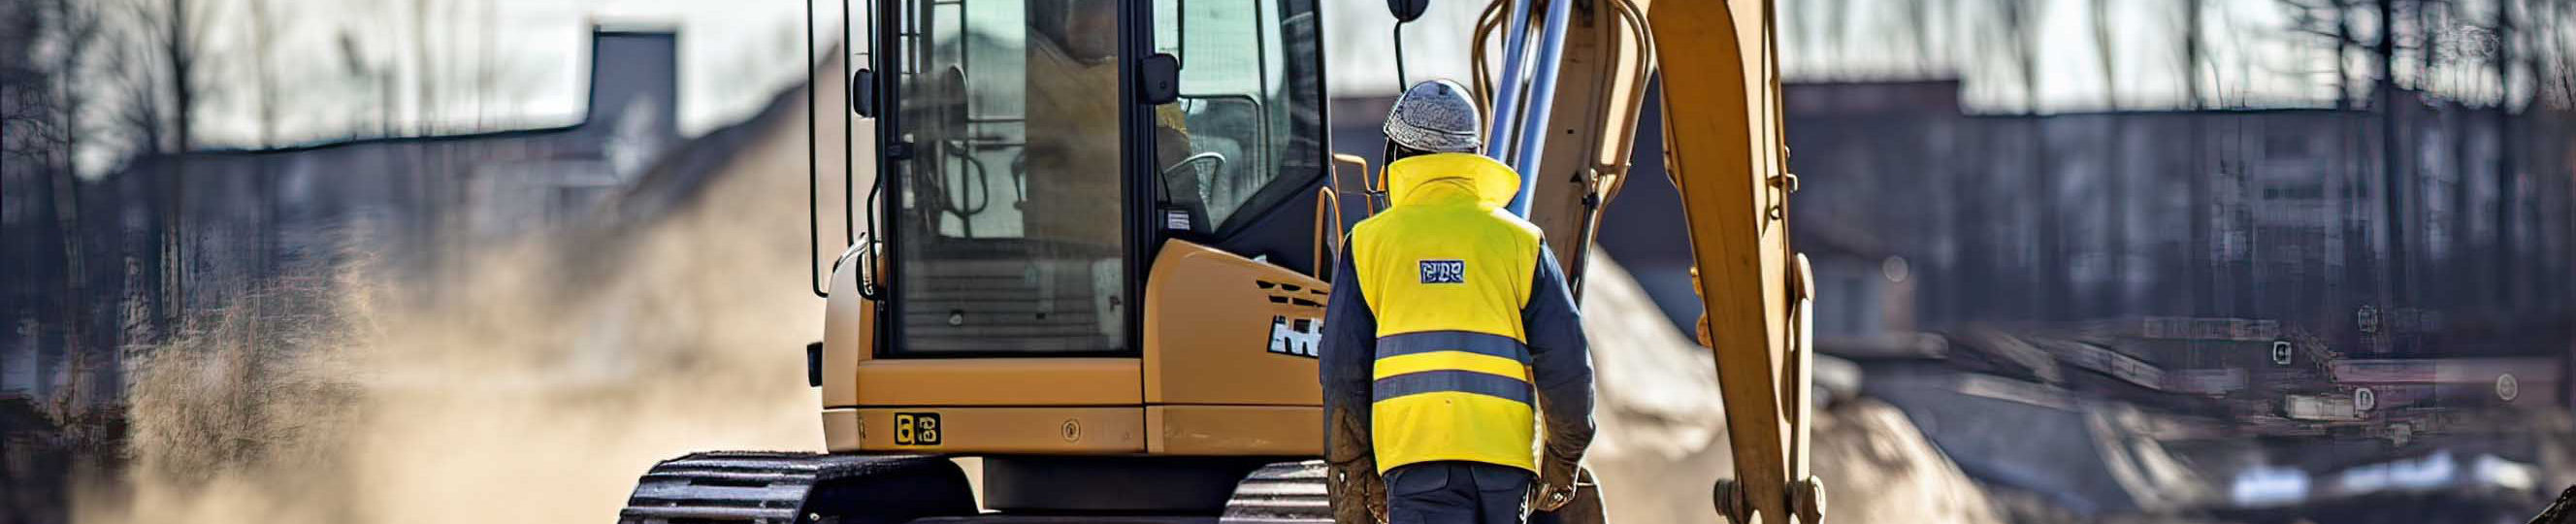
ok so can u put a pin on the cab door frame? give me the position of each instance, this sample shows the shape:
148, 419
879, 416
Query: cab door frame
1136, 159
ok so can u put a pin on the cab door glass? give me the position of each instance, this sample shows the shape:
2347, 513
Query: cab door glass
1238, 139
1011, 234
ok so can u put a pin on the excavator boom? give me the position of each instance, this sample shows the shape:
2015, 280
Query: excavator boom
1725, 153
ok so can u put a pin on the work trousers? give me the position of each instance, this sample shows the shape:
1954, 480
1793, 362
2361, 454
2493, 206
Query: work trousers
1452, 492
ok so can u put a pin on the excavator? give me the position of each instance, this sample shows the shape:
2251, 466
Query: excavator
1097, 246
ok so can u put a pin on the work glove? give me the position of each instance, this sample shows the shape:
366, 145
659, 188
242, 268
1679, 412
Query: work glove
1351, 479
1555, 485
1358, 492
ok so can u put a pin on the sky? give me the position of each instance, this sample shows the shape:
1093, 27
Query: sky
510, 64
2251, 60
505, 64
735, 56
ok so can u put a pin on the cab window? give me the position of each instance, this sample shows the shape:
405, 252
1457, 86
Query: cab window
1011, 235
1249, 101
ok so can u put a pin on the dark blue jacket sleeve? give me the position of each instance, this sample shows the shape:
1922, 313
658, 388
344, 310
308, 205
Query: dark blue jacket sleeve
1347, 357
1560, 359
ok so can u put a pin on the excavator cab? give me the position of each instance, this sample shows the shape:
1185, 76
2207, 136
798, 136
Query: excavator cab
1037, 154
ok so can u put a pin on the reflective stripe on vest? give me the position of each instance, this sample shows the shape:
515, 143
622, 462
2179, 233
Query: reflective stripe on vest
1458, 361
1468, 341
1452, 380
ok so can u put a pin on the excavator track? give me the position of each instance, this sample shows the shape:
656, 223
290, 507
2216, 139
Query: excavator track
756, 487
783, 488
1281, 493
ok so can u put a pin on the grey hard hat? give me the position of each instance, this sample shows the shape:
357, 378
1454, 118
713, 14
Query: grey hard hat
1436, 116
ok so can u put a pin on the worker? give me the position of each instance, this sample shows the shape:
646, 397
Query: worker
1451, 323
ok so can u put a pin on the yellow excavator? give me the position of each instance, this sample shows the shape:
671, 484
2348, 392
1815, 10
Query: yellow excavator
1096, 245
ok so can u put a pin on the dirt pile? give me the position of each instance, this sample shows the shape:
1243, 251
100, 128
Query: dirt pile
1663, 429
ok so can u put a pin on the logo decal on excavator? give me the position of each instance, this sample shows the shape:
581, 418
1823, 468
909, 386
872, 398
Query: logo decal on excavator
1297, 337
1444, 271
916, 429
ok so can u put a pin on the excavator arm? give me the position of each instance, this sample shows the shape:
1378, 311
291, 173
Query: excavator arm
1724, 151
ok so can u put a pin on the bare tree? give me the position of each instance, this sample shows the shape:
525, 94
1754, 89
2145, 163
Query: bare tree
2507, 174
2190, 22
1839, 31
423, 73
1921, 25
79, 28
2022, 21
26, 146
140, 118
2115, 179
158, 58
2561, 63
2203, 290
2392, 167
486, 72
2330, 22
166, 41
356, 64
265, 26
181, 47
263, 34
44, 57
2355, 236
2463, 60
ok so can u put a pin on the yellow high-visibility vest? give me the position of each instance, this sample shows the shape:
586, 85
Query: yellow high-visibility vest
1446, 272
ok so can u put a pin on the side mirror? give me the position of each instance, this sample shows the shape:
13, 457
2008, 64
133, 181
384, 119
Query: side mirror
1407, 10
1158, 79
863, 93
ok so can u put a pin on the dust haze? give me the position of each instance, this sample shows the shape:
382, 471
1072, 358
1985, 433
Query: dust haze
530, 381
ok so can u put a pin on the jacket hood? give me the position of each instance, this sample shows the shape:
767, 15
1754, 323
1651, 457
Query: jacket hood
1492, 182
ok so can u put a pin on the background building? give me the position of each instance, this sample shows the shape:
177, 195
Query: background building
203, 231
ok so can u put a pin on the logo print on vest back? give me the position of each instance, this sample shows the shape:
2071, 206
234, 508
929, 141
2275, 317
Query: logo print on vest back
1444, 271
